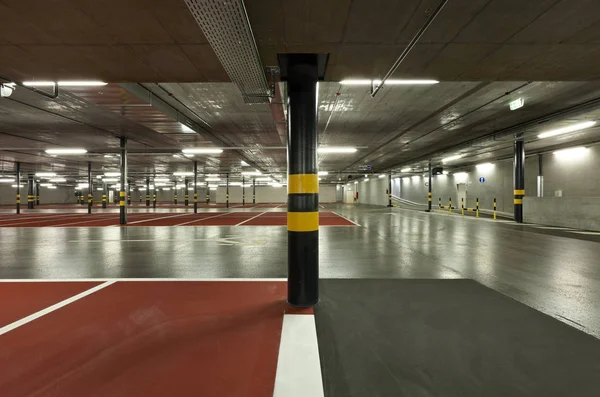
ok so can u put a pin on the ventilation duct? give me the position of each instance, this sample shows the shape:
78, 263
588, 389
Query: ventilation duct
227, 28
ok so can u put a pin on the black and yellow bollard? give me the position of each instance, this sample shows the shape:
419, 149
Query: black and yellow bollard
82, 199
186, 197
154, 200
30, 195
90, 202
462, 206
477, 207
103, 200
187, 200
30, 201
494, 208
18, 206
439, 204
429, 199
147, 192
303, 182
128, 199
450, 204
175, 198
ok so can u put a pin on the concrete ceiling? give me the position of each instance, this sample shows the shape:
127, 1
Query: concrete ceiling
164, 73
157, 40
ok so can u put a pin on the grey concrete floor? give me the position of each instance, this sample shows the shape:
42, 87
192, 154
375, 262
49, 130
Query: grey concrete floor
557, 275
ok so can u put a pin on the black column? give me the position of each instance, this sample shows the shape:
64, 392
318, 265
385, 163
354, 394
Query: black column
227, 191
195, 187
540, 178
37, 193
187, 192
253, 191
303, 182
104, 193
147, 192
429, 195
175, 196
18, 188
154, 192
519, 180
90, 188
243, 192
390, 189
128, 192
123, 164
30, 195
207, 194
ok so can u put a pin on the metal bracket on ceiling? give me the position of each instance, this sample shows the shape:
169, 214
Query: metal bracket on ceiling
52, 95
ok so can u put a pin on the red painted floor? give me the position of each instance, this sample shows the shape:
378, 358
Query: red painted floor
103, 219
179, 338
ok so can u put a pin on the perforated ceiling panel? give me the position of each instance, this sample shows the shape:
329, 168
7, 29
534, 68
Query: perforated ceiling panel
225, 24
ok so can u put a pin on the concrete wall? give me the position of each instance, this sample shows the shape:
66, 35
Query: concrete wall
60, 195
575, 212
270, 194
371, 191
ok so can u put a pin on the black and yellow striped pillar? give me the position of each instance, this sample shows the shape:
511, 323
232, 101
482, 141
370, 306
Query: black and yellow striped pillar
389, 189
187, 193
175, 194
147, 192
103, 200
90, 188
243, 191
154, 197
30, 195
450, 204
253, 191
18, 207
128, 193
37, 193
123, 169
429, 194
303, 181
227, 191
477, 207
519, 179
195, 187
495, 206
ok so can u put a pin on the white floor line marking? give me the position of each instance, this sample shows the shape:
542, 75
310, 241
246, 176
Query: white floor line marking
349, 220
298, 366
161, 279
43, 219
320, 206
198, 220
155, 219
248, 220
54, 307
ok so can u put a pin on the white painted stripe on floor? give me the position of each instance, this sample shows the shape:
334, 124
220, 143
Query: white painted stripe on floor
155, 219
74, 280
349, 220
54, 307
248, 220
298, 367
198, 220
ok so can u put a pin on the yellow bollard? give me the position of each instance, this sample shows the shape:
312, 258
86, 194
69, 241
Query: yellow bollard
494, 208
477, 207
462, 206
450, 204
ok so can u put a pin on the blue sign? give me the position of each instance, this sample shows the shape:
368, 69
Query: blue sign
481, 179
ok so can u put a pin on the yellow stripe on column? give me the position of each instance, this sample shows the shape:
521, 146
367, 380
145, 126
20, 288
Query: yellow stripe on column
518, 201
303, 183
303, 221
519, 192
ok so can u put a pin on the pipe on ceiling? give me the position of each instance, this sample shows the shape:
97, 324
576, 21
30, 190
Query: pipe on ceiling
409, 46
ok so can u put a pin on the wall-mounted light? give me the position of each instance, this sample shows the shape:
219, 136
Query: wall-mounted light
571, 153
516, 104
566, 130
484, 166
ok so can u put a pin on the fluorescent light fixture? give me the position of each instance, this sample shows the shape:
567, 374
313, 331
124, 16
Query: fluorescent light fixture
263, 179
166, 188
451, 158
251, 173
99, 189
213, 185
366, 179
108, 156
189, 156
388, 82
356, 183
566, 130
162, 180
50, 187
235, 183
7, 180
111, 179
516, 104
57, 180
323, 173
98, 176
142, 188
276, 184
186, 130
84, 83
212, 188
66, 151
406, 170
46, 184
336, 149
382, 176
46, 174
186, 173
485, 166
572, 152
212, 179
17, 185
244, 164
212, 175
200, 150
112, 174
